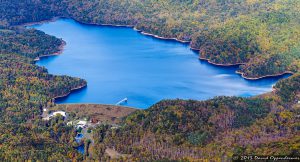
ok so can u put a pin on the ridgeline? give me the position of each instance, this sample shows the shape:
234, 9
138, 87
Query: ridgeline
261, 35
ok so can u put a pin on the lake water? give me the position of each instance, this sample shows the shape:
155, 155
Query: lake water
119, 63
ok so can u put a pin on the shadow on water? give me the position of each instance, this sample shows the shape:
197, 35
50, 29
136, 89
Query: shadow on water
77, 92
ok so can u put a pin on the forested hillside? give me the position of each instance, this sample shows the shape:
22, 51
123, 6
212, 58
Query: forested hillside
215, 129
24, 90
30, 43
261, 35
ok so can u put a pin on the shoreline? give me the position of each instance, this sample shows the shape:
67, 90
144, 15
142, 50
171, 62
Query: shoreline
209, 61
111, 25
225, 65
135, 108
265, 76
159, 37
155, 36
60, 51
39, 22
134, 28
70, 91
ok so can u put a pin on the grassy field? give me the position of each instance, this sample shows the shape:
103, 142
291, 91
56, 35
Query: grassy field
103, 113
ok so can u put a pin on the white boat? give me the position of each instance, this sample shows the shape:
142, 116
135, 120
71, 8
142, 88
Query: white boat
122, 101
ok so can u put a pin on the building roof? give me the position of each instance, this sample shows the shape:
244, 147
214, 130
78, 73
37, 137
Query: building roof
82, 122
62, 113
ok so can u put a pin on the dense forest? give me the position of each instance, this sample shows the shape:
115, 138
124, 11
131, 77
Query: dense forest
30, 43
263, 36
260, 35
24, 90
214, 129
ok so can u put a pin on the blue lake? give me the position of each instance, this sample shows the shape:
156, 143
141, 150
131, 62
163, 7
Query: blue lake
119, 62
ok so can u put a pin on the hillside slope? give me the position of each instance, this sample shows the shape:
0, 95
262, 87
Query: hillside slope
215, 129
262, 35
25, 89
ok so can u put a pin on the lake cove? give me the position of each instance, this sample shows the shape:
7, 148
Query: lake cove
119, 62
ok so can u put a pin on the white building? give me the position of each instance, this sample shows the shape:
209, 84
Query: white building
62, 113
46, 118
81, 124
70, 123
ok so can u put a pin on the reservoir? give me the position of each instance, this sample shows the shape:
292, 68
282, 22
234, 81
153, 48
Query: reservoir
119, 62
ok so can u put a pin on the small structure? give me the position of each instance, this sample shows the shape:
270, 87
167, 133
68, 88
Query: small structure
81, 124
70, 123
94, 121
125, 100
114, 126
46, 118
62, 113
